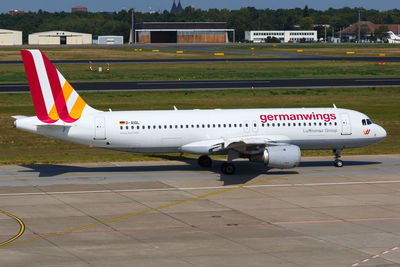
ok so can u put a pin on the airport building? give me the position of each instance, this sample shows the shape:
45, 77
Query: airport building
283, 36
10, 37
109, 40
182, 32
59, 38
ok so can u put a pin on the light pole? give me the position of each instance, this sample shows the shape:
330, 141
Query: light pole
359, 26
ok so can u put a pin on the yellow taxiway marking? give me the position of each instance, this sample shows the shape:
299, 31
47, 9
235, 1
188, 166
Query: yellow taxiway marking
179, 202
21, 228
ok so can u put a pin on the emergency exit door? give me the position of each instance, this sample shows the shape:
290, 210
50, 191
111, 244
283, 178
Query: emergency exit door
346, 126
100, 129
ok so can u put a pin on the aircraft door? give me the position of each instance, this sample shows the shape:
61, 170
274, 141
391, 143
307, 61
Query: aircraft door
346, 126
100, 129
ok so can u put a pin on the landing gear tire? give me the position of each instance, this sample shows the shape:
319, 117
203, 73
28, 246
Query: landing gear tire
338, 163
204, 161
228, 168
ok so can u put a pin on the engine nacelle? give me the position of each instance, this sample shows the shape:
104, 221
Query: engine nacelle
281, 156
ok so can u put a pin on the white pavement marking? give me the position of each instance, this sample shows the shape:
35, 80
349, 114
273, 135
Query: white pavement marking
193, 188
375, 256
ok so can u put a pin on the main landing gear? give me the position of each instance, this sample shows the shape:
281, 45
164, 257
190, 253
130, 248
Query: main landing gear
226, 167
204, 161
337, 162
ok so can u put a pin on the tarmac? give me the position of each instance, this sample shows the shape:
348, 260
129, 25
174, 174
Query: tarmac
174, 213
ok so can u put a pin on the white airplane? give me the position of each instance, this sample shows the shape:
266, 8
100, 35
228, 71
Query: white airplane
274, 137
393, 38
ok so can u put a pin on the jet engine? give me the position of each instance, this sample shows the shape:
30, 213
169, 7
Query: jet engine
281, 156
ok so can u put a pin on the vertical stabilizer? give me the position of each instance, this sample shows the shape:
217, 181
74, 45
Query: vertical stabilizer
53, 97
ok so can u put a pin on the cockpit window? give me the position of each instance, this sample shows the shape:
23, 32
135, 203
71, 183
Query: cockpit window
369, 121
364, 122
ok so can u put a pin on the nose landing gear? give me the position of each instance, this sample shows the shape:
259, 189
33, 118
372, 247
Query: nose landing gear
337, 162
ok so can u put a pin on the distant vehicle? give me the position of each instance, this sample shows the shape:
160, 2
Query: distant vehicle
270, 136
393, 38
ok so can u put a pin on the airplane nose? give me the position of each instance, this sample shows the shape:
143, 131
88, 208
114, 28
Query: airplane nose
381, 132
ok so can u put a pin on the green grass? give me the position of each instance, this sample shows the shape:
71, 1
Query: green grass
361, 50
381, 104
210, 71
101, 53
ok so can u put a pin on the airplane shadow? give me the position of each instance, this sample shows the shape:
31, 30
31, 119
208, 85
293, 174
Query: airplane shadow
330, 163
245, 171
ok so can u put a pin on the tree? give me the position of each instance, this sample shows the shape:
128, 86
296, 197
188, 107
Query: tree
381, 32
306, 23
306, 13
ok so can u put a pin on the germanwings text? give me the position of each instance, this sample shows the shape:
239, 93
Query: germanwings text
297, 117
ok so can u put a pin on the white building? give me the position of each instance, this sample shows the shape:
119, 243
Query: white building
283, 36
9, 37
59, 38
109, 40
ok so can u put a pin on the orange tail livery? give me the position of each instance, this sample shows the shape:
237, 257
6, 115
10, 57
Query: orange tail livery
53, 97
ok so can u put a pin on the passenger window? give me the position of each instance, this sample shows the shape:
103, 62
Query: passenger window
138, 127
230, 125
187, 126
192, 126
288, 124
176, 126
203, 126
325, 123
181, 126
219, 125
309, 124
335, 123
159, 126
240, 125
234, 125
320, 124
148, 127
247, 125
304, 124
208, 125
213, 125
165, 126
224, 125
279, 124
121, 127
127, 127
315, 124
273, 124
283, 124
198, 126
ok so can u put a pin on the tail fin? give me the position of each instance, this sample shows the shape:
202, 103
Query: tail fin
53, 97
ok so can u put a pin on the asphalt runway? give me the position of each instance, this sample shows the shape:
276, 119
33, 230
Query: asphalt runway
215, 84
289, 58
172, 213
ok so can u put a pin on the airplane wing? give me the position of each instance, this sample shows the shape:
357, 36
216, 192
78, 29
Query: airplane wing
244, 145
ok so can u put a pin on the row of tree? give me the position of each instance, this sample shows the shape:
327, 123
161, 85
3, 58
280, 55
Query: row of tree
249, 18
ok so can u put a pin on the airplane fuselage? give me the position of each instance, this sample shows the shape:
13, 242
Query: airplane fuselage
170, 130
